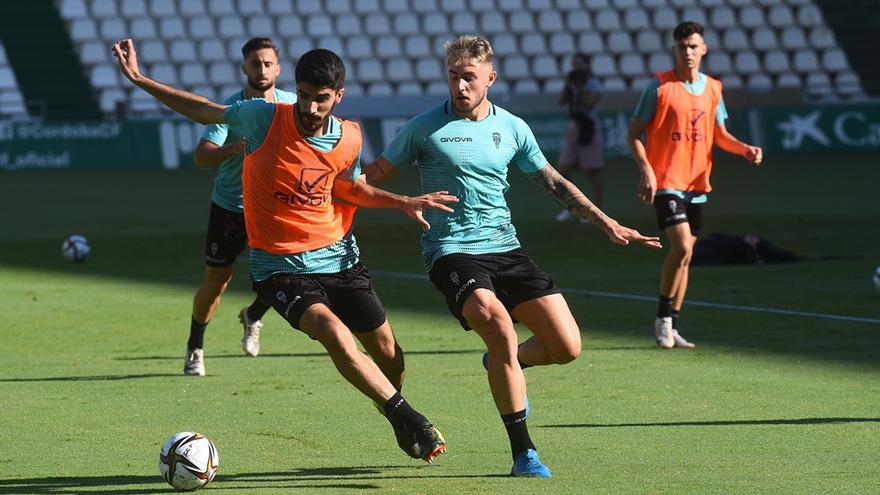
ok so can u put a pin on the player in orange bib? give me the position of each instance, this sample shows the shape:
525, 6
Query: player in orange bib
299, 162
681, 114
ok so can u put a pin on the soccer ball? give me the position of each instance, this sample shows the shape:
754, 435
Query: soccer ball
188, 461
75, 248
877, 278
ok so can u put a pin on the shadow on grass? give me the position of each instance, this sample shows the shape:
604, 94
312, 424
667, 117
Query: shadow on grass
293, 355
335, 477
742, 422
88, 378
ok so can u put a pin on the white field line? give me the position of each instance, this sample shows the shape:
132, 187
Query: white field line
633, 297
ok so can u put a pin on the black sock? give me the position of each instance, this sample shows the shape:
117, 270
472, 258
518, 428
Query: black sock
664, 308
675, 318
257, 310
398, 410
517, 432
196, 335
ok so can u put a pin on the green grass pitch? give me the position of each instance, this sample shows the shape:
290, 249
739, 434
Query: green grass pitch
91, 354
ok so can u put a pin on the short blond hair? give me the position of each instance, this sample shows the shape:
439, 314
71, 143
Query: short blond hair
468, 47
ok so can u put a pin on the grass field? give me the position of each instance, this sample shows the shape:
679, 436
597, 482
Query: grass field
90, 365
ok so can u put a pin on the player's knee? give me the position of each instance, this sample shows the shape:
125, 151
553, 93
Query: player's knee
481, 309
566, 353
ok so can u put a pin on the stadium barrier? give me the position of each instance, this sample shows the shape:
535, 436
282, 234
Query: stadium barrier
169, 144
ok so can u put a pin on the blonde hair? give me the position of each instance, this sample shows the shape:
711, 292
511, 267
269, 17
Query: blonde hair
468, 47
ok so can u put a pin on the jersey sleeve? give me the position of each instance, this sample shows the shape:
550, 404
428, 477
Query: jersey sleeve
216, 133
404, 149
721, 111
354, 170
528, 157
647, 102
251, 119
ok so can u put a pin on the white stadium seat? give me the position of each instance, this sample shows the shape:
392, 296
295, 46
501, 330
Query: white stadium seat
113, 30
73, 9
764, 38
578, 20
788, 80
662, 61
152, 51
464, 22
133, 9
735, 39
590, 42
83, 29
522, 22
632, 64
553, 85
211, 50
822, 37
746, 62
732, 81
260, 25
435, 23
792, 38
140, 102
808, 15
607, 20
298, 45
665, 18
780, 16
233, 47
429, 69
171, 28
723, 17
405, 24
834, 60
230, 26
848, 83
103, 76
818, 84
193, 74
183, 51
279, 7
776, 62
603, 65
613, 84
333, 43
104, 8
492, 22
636, 20
359, 47
163, 8
425, 6
392, 6
208, 92
109, 98
759, 82
220, 73
318, 25
510, 5
515, 66
545, 66
619, 42
417, 46
595, 5
562, 44
367, 6
682, 3
453, 6
505, 44
164, 72
249, 7
201, 28
353, 88
7, 78
648, 41
550, 22
220, 8
289, 25
189, 8
438, 88
142, 28
93, 52
388, 47
533, 44
537, 6
377, 24
399, 70
624, 5
526, 87
805, 61
640, 83
751, 17
369, 70
337, 7
694, 13
719, 63
409, 88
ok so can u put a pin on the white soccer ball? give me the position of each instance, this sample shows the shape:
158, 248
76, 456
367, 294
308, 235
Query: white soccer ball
877, 278
75, 248
188, 461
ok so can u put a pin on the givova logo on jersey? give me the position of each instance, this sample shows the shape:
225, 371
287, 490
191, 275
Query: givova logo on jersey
695, 127
312, 190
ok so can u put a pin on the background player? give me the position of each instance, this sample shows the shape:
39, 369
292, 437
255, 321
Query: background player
681, 113
226, 237
473, 255
304, 259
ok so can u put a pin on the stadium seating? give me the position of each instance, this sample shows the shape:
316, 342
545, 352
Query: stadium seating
395, 46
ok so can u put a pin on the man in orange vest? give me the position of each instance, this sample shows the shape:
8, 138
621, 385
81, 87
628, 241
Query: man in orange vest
682, 114
299, 159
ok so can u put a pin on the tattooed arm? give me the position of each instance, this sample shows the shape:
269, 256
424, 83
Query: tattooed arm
572, 199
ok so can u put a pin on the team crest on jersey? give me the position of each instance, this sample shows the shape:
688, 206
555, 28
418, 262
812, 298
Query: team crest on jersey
496, 137
454, 277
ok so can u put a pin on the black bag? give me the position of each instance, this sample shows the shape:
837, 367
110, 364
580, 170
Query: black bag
586, 128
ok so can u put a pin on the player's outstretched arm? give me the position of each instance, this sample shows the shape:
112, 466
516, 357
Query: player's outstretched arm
572, 199
647, 180
189, 105
208, 154
380, 171
359, 193
730, 144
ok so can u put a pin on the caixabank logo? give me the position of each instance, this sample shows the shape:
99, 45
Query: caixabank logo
840, 128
